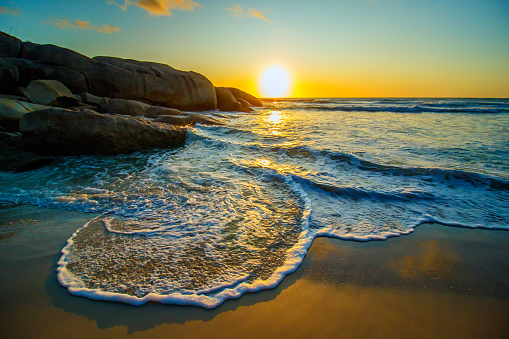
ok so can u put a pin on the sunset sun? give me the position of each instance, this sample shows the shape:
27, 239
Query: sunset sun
275, 82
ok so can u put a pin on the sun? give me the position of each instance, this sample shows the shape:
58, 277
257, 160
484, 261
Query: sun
275, 82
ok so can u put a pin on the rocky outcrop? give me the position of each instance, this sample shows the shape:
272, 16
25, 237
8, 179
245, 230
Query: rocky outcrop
9, 77
11, 112
149, 82
34, 70
50, 93
124, 107
167, 86
9, 45
63, 132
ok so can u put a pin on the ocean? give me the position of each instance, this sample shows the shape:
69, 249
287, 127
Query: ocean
236, 209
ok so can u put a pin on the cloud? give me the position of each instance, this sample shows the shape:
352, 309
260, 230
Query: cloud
10, 11
80, 24
158, 7
239, 12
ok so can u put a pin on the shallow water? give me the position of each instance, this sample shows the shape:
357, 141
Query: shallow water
237, 207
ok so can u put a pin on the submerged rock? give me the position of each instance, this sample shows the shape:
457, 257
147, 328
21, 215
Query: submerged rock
50, 93
64, 132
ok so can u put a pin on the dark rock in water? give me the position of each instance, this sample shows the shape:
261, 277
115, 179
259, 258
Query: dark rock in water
124, 107
155, 111
189, 119
226, 101
9, 45
9, 77
34, 70
50, 93
11, 112
238, 94
245, 106
64, 132
14, 159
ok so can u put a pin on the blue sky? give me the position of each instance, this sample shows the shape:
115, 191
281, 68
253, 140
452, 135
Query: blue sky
448, 48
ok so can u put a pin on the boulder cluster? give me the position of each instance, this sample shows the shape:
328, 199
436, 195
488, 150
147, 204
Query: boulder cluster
55, 101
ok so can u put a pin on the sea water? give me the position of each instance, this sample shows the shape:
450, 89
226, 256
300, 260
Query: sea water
237, 207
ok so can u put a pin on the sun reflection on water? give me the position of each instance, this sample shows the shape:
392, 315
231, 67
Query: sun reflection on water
274, 117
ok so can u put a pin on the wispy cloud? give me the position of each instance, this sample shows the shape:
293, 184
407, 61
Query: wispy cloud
80, 24
10, 11
239, 12
158, 7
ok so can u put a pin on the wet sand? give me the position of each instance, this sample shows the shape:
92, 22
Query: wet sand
438, 282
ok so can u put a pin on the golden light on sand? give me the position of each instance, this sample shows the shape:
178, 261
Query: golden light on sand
275, 82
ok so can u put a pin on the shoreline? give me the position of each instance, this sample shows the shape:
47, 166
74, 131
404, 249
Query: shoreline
435, 282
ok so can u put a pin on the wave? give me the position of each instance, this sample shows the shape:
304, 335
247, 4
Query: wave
405, 109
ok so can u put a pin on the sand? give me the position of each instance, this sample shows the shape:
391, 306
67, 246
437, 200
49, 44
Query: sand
438, 282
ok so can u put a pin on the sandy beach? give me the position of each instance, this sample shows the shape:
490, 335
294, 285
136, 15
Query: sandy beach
436, 282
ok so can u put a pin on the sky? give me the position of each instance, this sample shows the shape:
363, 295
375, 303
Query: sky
341, 48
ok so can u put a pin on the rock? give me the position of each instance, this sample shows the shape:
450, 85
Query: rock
14, 159
189, 119
226, 101
238, 94
169, 87
34, 70
9, 77
9, 45
155, 111
63, 132
50, 93
177, 120
245, 106
13, 97
78, 98
91, 99
11, 112
124, 107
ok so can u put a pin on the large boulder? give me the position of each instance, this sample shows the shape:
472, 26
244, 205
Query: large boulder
50, 93
11, 112
63, 132
9, 45
34, 70
238, 94
9, 77
189, 91
124, 107
226, 101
